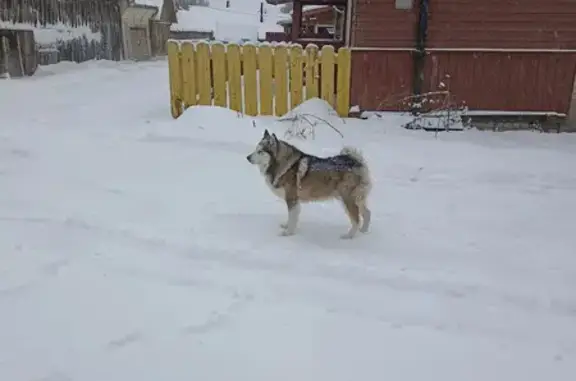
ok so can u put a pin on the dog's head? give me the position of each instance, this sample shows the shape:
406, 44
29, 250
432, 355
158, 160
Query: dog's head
264, 152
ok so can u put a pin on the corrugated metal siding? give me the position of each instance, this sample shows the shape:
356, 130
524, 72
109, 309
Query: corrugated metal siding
501, 24
378, 24
505, 81
380, 77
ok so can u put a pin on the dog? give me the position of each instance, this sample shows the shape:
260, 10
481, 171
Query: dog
298, 178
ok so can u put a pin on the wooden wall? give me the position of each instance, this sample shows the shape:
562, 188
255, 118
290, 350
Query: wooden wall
500, 54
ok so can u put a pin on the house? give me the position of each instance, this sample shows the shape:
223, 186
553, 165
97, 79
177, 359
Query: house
145, 27
318, 21
50, 31
514, 56
160, 27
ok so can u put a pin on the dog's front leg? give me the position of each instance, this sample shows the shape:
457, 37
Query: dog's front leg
293, 205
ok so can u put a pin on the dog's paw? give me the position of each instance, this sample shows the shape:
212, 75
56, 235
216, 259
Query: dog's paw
285, 233
284, 225
347, 236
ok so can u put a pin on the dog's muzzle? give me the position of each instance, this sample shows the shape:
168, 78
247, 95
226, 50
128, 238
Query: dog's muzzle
249, 158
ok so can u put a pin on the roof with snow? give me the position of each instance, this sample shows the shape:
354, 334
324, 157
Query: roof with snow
150, 3
228, 24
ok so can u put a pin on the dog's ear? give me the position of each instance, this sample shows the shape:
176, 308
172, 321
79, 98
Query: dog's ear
266, 134
274, 141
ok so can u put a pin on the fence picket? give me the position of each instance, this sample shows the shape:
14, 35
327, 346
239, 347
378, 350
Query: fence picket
281, 80
250, 70
265, 77
312, 71
219, 75
234, 77
296, 68
327, 60
190, 96
175, 75
343, 64
203, 77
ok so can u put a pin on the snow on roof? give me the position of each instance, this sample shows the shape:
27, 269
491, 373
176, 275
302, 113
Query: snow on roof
228, 24
282, 17
54, 33
313, 7
150, 3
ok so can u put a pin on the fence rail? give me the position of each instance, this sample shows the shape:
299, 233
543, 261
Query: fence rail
257, 80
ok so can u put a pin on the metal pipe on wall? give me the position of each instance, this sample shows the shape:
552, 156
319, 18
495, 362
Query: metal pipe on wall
420, 54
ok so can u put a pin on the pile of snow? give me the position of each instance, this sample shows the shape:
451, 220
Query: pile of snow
315, 127
210, 123
225, 126
54, 33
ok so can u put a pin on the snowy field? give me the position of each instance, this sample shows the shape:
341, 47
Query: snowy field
135, 247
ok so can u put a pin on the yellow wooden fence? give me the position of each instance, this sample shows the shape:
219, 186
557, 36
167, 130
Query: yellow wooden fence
257, 80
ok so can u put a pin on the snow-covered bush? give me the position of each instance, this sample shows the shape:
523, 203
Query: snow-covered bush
434, 110
307, 116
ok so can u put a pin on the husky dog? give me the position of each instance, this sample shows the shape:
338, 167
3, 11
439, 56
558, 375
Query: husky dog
298, 177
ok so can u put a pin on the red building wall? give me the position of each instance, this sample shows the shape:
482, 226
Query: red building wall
515, 55
382, 61
502, 24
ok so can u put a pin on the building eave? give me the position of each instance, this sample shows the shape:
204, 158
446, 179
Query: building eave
278, 2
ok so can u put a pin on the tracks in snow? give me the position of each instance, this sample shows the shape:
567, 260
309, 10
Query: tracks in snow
349, 272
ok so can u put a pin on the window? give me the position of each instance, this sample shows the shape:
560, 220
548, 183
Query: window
404, 4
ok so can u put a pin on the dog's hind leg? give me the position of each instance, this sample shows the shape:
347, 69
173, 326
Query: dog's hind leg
293, 205
354, 214
366, 216
360, 194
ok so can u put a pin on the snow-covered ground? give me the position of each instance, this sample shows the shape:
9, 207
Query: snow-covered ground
135, 247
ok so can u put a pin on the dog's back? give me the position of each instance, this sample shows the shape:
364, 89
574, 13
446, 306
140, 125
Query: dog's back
341, 176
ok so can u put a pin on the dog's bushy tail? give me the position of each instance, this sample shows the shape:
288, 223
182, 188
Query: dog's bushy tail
355, 154
363, 171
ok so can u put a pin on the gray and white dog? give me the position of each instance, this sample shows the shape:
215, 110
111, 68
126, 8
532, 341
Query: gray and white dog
298, 177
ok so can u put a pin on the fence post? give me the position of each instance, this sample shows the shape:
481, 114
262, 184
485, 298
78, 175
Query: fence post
175, 75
